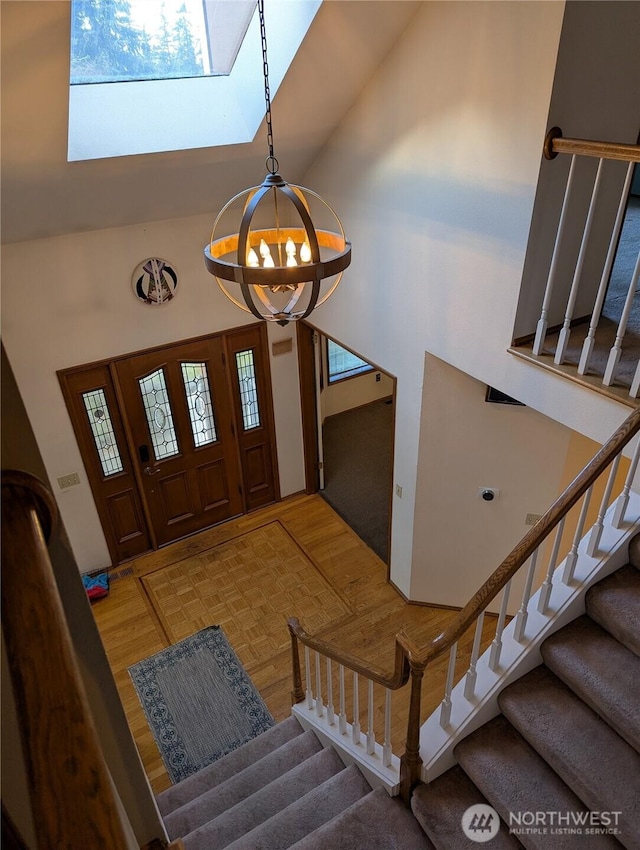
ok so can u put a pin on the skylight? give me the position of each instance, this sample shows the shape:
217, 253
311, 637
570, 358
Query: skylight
124, 40
151, 76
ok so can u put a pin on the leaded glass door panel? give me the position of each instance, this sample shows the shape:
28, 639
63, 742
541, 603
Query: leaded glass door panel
181, 424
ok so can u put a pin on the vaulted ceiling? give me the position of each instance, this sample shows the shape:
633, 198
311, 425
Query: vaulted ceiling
44, 195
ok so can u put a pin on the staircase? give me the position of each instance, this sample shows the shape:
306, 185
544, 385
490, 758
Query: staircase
567, 741
283, 789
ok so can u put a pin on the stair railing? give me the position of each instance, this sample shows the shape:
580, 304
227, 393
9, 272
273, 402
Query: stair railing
72, 797
605, 152
411, 660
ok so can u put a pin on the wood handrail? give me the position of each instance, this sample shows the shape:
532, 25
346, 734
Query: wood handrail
393, 681
555, 143
72, 797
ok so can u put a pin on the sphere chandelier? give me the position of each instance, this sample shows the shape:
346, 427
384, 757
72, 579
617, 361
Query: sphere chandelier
289, 251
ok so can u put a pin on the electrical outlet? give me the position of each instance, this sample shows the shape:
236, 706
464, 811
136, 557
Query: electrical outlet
532, 519
377, 377
398, 491
68, 480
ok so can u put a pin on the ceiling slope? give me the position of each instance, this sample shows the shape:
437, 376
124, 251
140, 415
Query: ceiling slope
43, 195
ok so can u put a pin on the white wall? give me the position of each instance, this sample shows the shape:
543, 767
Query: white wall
466, 444
355, 392
68, 301
433, 174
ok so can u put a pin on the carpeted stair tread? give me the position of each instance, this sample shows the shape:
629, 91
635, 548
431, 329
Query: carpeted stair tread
587, 754
226, 767
514, 778
440, 805
308, 813
246, 782
601, 671
265, 803
614, 603
375, 822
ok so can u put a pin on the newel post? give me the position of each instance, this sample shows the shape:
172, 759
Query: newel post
297, 694
410, 762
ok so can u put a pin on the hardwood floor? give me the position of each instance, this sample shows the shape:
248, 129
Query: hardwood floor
305, 562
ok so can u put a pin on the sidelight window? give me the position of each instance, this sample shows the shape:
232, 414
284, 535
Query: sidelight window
248, 390
102, 430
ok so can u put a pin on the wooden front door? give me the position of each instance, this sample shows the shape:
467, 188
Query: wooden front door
176, 439
178, 410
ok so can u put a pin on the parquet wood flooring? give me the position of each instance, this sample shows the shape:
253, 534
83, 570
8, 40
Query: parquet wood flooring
294, 558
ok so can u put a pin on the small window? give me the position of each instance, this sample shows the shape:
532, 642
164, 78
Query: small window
343, 364
103, 434
248, 390
159, 416
196, 387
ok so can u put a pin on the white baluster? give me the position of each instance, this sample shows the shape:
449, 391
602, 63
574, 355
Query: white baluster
563, 339
541, 330
635, 384
355, 728
523, 613
331, 715
319, 705
596, 531
307, 674
616, 348
547, 584
496, 645
342, 717
445, 708
371, 735
623, 498
572, 558
587, 346
386, 747
470, 680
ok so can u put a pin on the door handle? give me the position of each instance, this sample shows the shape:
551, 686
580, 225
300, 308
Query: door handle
151, 470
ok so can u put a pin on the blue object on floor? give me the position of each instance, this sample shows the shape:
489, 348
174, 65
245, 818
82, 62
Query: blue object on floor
96, 586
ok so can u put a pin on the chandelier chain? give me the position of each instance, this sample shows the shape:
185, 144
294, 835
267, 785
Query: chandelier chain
272, 162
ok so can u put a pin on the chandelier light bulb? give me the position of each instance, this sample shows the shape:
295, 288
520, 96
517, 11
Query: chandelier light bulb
252, 259
268, 262
265, 251
305, 252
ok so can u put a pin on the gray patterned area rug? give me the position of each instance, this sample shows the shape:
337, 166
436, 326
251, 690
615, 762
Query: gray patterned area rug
199, 701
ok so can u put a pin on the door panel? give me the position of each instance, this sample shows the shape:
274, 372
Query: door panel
212, 481
98, 426
178, 413
250, 385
